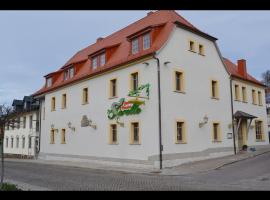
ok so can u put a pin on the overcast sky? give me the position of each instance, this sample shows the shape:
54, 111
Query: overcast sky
34, 43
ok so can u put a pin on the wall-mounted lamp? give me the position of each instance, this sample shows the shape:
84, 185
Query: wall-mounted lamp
70, 126
87, 122
167, 62
205, 120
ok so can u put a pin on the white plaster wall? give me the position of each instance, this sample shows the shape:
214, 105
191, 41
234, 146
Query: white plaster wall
196, 102
86, 141
250, 108
21, 132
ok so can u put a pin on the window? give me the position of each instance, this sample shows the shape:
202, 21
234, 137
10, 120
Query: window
135, 133
259, 130
65, 75
29, 142
64, 101
135, 46
236, 92
113, 134
180, 132
179, 81
192, 46
201, 49
260, 98
23, 142
6, 142
11, 142
146, 41
94, 62
52, 137
102, 59
214, 89
63, 136
254, 97
24, 122
53, 104
244, 94
49, 82
30, 121
134, 81
113, 85
69, 73
216, 132
85, 96
17, 142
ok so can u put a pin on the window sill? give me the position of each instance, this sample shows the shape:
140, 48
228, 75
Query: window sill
260, 140
216, 141
201, 54
114, 143
52, 143
85, 103
135, 143
63, 143
254, 104
53, 110
237, 100
180, 142
215, 98
192, 51
179, 91
114, 97
64, 108
244, 102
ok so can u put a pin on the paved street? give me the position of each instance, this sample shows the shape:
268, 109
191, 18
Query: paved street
250, 174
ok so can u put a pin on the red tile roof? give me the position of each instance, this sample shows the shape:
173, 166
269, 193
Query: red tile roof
232, 68
161, 23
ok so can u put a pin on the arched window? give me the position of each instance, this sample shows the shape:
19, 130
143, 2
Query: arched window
17, 141
23, 142
11, 144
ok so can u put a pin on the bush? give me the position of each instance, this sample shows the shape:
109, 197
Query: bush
9, 187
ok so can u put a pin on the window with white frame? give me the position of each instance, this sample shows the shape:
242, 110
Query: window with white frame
102, 59
94, 62
135, 46
146, 41
49, 82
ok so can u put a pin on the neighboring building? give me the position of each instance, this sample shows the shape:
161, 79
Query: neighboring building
90, 109
22, 131
268, 109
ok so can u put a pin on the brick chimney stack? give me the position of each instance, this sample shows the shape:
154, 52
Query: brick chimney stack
241, 67
150, 13
99, 39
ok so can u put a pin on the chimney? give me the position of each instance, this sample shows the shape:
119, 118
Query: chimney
150, 13
99, 39
241, 67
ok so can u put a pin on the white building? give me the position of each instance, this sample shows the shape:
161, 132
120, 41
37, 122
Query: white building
188, 115
22, 132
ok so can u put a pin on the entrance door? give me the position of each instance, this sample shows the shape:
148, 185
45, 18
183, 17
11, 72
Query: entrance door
242, 134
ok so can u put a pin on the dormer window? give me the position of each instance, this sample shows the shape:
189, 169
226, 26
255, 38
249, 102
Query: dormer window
69, 73
49, 82
135, 46
99, 60
146, 41
102, 59
94, 62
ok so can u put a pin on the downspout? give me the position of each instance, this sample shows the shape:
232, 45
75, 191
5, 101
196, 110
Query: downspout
234, 145
159, 112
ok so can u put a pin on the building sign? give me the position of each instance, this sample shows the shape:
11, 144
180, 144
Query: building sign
130, 106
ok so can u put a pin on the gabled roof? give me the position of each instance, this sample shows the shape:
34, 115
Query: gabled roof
161, 22
232, 69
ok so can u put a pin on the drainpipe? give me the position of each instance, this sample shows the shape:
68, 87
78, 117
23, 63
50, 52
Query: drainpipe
159, 112
234, 145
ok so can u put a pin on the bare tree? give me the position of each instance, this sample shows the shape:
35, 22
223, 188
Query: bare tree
266, 78
5, 116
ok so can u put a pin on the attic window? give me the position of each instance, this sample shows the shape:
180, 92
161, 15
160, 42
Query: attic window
99, 60
69, 73
49, 82
135, 45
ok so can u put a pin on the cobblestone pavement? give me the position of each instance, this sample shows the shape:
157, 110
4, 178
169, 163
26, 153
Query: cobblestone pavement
250, 174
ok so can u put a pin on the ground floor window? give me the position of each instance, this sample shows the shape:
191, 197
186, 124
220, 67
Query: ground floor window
259, 130
216, 132
11, 143
63, 136
135, 133
23, 142
6, 142
17, 142
29, 142
52, 137
113, 134
180, 136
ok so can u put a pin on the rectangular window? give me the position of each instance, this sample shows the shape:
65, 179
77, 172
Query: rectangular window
71, 72
146, 41
94, 62
135, 134
23, 142
6, 142
102, 59
236, 92
53, 104
214, 89
216, 132
17, 142
259, 130
64, 101
244, 94
260, 98
134, 81
29, 142
135, 46
63, 136
191, 46
24, 122
113, 85
201, 49
66, 75
179, 81
254, 97
52, 137
113, 134
30, 121
49, 82
85, 96
180, 132
11, 143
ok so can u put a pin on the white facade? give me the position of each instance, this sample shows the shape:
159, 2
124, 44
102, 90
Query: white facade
21, 140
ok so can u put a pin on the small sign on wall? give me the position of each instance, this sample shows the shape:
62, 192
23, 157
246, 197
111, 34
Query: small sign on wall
229, 135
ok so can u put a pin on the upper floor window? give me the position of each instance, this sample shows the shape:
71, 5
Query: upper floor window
69, 73
24, 122
99, 60
192, 46
201, 49
53, 104
134, 81
102, 59
146, 41
94, 62
179, 81
244, 94
30, 121
254, 101
49, 82
135, 45
85, 96
260, 98
64, 101
113, 85
236, 92
214, 88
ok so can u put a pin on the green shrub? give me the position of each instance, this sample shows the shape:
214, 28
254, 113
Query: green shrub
9, 187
